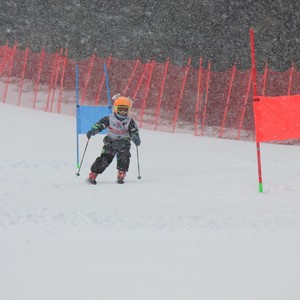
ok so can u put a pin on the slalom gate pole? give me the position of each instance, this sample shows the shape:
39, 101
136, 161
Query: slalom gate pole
260, 183
78, 172
77, 116
138, 162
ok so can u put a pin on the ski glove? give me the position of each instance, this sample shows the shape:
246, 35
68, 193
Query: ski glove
136, 139
91, 132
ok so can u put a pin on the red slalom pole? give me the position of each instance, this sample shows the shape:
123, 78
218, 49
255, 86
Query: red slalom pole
253, 63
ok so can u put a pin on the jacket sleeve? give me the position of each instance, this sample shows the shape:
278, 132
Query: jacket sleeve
134, 133
101, 124
133, 128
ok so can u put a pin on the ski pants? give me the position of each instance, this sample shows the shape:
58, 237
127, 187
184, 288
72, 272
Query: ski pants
113, 147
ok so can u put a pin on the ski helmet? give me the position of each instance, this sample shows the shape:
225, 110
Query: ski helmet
122, 105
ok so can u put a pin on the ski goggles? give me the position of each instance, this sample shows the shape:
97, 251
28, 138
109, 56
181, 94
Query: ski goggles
122, 109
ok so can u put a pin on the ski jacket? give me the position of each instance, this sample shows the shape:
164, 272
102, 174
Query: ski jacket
117, 128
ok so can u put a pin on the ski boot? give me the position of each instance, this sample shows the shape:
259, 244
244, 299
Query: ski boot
121, 176
92, 178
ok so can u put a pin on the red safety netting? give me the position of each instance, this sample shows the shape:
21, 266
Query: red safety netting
165, 97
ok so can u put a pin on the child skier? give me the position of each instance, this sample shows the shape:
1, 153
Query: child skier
122, 129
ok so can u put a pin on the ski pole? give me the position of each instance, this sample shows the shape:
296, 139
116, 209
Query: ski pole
138, 163
78, 172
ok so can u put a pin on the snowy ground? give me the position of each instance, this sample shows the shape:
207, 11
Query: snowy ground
194, 227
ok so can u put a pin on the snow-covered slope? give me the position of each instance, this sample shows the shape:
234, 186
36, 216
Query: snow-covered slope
194, 227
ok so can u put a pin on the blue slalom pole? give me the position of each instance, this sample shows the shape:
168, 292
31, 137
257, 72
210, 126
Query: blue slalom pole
77, 112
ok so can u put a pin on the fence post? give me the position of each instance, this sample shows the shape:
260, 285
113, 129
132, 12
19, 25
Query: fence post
245, 105
206, 98
23, 74
291, 79
4, 57
181, 94
140, 80
102, 81
36, 89
62, 81
157, 113
12, 57
147, 91
51, 80
3, 49
91, 64
227, 101
56, 78
137, 62
265, 79
199, 98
